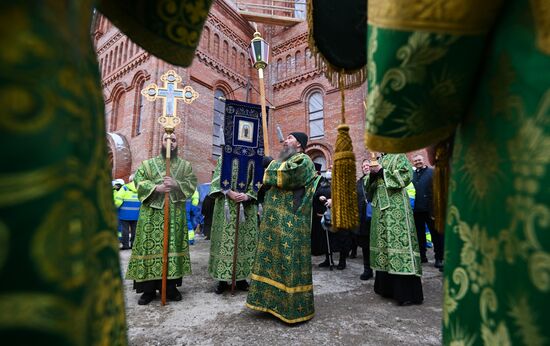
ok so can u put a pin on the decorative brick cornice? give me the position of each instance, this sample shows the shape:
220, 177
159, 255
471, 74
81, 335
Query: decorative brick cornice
109, 43
220, 67
224, 29
230, 9
290, 44
297, 79
119, 73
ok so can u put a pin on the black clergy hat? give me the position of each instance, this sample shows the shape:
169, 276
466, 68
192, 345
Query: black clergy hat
301, 138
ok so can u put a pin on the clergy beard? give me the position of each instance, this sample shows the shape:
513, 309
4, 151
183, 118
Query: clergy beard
173, 152
287, 152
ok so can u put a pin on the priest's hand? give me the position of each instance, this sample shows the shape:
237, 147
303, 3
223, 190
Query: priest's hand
162, 188
231, 194
171, 183
241, 197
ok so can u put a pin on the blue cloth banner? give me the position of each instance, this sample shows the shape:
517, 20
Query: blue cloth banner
244, 146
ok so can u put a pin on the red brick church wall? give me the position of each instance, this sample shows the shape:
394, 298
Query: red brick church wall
221, 62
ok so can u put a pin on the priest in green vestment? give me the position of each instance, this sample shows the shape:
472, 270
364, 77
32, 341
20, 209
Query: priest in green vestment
152, 180
394, 253
281, 282
145, 266
479, 70
222, 234
59, 264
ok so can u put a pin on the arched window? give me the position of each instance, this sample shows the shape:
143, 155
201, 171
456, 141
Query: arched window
298, 62
205, 40
233, 62
125, 50
120, 50
139, 110
307, 59
117, 110
288, 66
217, 46
316, 118
225, 52
242, 67
279, 69
217, 128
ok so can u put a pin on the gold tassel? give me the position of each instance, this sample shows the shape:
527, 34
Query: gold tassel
345, 214
441, 183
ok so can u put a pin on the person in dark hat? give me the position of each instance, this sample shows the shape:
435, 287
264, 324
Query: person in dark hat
294, 143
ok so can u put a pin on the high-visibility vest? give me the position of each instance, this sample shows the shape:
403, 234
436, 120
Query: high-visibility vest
411, 191
127, 202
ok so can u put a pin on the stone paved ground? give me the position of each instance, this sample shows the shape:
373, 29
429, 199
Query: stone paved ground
347, 312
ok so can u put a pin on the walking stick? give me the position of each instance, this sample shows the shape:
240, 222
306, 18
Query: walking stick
166, 228
235, 250
331, 261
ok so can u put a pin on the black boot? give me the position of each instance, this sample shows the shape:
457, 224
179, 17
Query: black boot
367, 274
326, 263
342, 262
146, 298
242, 285
173, 294
222, 285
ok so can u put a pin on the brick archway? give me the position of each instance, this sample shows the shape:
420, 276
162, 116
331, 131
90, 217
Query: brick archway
120, 156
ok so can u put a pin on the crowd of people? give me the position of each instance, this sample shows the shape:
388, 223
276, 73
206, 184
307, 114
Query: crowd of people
263, 241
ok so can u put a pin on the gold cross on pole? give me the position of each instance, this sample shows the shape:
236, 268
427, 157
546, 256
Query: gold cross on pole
170, 94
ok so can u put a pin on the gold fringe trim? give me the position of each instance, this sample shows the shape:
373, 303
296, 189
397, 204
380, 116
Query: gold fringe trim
279, 316
334, 74
282, 287
404, 145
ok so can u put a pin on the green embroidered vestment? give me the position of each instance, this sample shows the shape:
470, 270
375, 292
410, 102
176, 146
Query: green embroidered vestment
393, 242
222, 235
146, 259
481, 68
281, 282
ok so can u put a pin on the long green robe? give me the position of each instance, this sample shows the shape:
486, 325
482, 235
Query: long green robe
281, 282
393, 241
222, 235
146, 259
59, 267
482, 69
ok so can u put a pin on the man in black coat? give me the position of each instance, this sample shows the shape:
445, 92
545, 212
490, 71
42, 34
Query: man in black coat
423, 210
361, 235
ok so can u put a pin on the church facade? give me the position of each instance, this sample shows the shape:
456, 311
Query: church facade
297, 92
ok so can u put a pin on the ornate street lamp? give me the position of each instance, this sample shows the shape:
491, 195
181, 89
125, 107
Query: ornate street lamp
259, 52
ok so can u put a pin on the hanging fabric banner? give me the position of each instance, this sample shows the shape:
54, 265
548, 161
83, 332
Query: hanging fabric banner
244, 146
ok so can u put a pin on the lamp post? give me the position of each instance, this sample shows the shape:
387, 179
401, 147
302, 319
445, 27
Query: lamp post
259, 52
